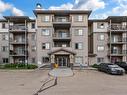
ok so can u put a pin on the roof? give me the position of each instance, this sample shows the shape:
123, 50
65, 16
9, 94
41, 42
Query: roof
117, 18
62, 49
41, 11
114, 19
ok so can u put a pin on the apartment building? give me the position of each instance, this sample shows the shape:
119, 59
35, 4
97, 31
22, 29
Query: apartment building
108, 39
62, 37
18, 40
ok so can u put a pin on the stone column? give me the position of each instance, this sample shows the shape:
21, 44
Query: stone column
52, 60
71, 60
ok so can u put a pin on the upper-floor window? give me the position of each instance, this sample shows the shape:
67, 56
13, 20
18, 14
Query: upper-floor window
3, 25
46, 18
45, 46
32, 25
101, 37
100, 48
79, 32
33, 48
4, 48
79, 18
78, 46
45, 32
100, 25
5, 37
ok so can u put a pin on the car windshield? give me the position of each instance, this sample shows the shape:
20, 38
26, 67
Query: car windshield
113, 66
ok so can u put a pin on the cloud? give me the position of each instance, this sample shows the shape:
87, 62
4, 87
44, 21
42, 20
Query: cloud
82, 4
17, 12
89, 4
7, 6
67, 6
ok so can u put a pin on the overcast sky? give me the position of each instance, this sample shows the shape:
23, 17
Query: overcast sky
100, 8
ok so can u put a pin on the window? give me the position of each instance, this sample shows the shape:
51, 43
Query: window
78, 46
46, 18
33, 60
4, 37
79, 18
79, 32
101, 37
45, 59
45, 46
100, 25
100, 60
45, 32
5, 60
3, 25
100, 48
32, 25
33, 37
79, 60
4, 48
33, 48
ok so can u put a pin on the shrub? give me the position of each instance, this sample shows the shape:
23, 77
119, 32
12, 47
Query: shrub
95, 66
20, 66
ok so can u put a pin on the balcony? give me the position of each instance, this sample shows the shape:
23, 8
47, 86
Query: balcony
62, 21
20, 53
62, 36
18, 41
118, 28
118, 41
17, 28
117, 53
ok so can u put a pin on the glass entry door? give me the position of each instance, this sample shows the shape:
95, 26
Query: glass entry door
62, 61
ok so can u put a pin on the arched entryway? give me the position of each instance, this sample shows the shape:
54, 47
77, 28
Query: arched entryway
62, 57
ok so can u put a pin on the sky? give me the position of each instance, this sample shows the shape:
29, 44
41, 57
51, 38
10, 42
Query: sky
100, 8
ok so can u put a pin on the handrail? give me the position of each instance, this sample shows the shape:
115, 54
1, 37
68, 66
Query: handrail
45, 82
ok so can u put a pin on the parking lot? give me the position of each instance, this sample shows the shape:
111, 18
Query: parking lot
85, 82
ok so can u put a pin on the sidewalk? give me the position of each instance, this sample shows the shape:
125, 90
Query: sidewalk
61, 72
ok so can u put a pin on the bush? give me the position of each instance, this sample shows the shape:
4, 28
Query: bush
20, 66
95, 66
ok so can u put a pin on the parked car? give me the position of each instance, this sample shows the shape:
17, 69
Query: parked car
122, 64
111, 69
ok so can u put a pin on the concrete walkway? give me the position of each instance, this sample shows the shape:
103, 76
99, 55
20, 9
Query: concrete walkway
61, 72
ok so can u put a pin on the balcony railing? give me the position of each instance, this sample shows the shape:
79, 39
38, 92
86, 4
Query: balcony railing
17, 27
117, 52
61, 36
61, 19
118, 27
18, 53
119, 40
18, 41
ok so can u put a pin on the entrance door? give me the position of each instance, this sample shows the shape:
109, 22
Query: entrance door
62, 61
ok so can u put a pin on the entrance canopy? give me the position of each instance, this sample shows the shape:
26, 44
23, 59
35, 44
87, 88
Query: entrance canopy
62, 51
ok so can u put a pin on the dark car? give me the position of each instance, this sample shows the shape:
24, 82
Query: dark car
111, 69
122, 64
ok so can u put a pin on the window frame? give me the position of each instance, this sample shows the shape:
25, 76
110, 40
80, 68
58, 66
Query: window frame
80, 60
44, 59
78, 46
44, 33
100, 46
45, 46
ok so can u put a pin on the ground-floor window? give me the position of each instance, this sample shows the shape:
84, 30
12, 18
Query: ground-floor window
100, 59
5, 60
79, 60
33, 60
45, 59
